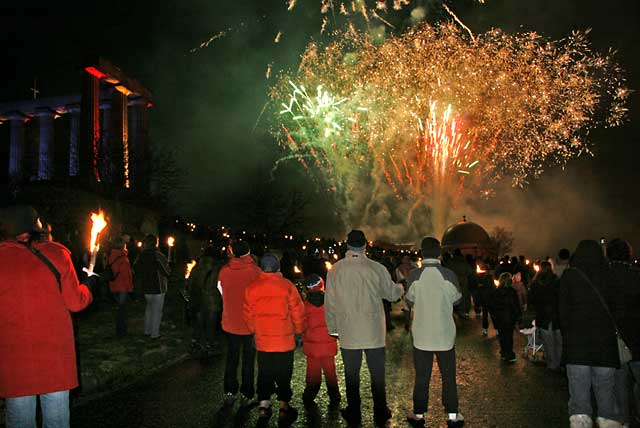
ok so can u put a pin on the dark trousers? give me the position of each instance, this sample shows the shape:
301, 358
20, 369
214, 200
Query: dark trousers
315, 367
505, 336
235, 342
274, 375
121, 316
352, 359
204, 325
423, 362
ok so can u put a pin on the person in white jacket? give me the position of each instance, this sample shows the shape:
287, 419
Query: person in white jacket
354, 312
434, 291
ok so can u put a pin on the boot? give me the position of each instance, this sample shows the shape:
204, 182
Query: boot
608, 423
580, 421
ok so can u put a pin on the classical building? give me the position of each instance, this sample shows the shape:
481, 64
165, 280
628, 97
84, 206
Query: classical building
469, 237
98, 139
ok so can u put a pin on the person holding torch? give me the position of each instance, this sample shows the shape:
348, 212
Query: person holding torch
38, 290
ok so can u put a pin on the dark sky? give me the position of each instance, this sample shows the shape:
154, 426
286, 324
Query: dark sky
206, 103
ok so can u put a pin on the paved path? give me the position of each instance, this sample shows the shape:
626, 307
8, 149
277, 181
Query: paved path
492, 394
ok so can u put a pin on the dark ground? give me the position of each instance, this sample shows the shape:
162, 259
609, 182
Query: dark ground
492, 394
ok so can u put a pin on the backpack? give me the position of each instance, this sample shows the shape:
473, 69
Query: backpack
108, 274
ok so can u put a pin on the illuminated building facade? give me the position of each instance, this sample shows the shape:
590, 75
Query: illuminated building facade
98, 139
469, 238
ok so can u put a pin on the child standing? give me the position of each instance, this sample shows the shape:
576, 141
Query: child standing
274, 313
318, 346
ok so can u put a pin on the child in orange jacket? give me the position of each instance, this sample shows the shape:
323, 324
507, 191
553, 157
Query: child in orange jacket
274, 313
319, 347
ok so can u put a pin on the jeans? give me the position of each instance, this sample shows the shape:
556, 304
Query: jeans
634, 367
352, 359
234, 343
153, 314
274, 375
21, 411
623, 384
552, 343
121, 317
315, 367
582, 379
423, 362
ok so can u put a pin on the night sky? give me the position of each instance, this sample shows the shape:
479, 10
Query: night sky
206, 103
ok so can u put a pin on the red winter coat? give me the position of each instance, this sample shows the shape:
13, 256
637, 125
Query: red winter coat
119, 262
37, 353
274, 311
234, 279
316, 340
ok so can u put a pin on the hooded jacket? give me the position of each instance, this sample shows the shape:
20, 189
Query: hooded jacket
316, 339
355, 289
624, 301
588, 334
505, 307
274, 312
37, 351
119, 262
234, 279
433, 291
544, 299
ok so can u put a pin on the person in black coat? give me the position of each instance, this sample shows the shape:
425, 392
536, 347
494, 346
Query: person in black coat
544, 299
624, 301
506, 313
590, 348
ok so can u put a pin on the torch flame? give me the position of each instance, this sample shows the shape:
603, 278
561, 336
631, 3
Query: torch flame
98, 224
190, 266
496, 282
328, 265
479, 270
170, 241
536, 267
296, 269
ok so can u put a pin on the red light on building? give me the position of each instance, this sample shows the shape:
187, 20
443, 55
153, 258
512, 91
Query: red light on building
95, 72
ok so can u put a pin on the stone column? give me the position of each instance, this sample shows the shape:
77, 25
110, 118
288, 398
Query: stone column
120, 150
45, 144
140, 161
74, 163
89, 128
16, 147
105, 152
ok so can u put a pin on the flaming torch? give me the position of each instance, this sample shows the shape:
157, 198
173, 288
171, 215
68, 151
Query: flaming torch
328, 265
479, 270
170, 242
190, 266
496, 283
536, 267
98, 224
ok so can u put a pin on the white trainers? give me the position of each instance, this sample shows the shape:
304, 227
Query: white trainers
229, 398
455, 420
608, 423
580, 421
485, 332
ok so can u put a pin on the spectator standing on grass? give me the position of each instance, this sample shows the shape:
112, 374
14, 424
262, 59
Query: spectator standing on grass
356, 286
506, 312
152, 276
589, 346
37, 351
624, 302
318, 346
433, 292
274, 312
234, 279
544, 299
121, 283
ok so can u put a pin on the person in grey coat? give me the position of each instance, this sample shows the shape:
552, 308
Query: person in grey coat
356, 286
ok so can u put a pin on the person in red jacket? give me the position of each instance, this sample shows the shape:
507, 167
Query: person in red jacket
274, 312
318, 346
233, 280
122, 283
37, 352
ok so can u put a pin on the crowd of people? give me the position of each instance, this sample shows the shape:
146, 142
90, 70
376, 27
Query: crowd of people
584, 307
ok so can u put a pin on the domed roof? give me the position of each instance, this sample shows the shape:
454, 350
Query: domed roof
466, 234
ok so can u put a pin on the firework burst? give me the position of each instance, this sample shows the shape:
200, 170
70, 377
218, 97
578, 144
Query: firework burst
433, 116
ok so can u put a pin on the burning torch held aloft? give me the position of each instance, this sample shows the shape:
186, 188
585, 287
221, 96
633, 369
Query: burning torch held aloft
98, 224
170, 243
